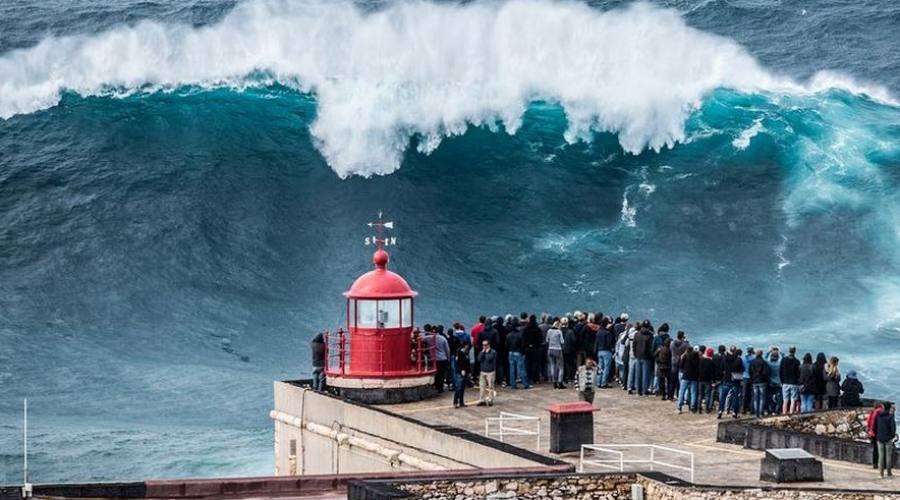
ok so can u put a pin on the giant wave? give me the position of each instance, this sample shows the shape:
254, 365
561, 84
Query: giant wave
421, 70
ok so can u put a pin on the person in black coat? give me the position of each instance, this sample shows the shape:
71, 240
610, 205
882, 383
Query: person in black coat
708, 374
570, 348
886, 435
789, 373
533, 338
819, 373
643, 344
317, 346
851, 389
460, 380
759, 379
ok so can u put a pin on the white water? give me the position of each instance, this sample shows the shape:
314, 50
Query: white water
419, 68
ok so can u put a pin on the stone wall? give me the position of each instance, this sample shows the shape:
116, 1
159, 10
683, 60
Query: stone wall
660, 491
842, 424
612, 486
607, 487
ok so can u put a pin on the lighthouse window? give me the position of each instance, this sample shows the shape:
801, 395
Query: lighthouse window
380, 313
365, 313
388, 313
406, 312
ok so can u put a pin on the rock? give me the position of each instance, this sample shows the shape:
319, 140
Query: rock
831, 428
844, 427
490, 487
469, 492
820, 429
511, 486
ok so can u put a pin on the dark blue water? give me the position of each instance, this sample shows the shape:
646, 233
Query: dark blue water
184, 188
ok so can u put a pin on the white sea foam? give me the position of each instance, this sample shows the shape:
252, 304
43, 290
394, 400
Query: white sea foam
418, 68
742, 141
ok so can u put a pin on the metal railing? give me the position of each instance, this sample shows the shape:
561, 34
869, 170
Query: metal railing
619, 462
503, 428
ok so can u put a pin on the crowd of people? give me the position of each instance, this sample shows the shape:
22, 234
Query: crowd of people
593, 351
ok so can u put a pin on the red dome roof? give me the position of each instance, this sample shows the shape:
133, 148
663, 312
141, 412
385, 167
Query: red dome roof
380, 283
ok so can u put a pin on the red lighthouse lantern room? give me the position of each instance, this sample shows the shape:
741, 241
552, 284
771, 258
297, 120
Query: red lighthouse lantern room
380, 357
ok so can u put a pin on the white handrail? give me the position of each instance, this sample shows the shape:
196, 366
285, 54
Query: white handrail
505, 418
609, 448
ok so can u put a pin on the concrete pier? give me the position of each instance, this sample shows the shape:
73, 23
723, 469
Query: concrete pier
632, 419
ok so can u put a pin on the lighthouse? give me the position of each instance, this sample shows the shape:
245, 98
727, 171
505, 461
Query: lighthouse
380, 357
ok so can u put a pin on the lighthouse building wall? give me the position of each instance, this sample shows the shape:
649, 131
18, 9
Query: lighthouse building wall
317, 433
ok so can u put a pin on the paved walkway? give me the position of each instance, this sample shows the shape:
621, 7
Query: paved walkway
624, 419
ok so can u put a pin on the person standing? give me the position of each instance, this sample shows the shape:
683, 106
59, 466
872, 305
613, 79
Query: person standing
819, 371
663, 367
759, 378
555, 344
886, 434
808, 384
789, 372
502, 327
690, 372
606, 342
851, 389
870, 430
643, 343
461, 376
585, 380
833, 382
476, 332
570, 346
317, 346
442, 357
746, 386
515, 347
774, 400
531, 336
706, 376
678, 348
487, 360
732, 377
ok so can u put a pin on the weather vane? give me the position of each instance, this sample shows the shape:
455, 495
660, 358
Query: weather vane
379, 238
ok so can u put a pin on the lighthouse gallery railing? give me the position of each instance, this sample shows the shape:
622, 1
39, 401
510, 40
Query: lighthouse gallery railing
423, 353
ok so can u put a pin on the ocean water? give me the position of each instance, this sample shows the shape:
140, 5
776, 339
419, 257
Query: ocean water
184, 188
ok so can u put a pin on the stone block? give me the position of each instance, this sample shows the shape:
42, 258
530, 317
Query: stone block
787, 465
571, 425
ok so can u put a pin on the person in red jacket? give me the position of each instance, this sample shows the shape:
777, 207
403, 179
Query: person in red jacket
870, 427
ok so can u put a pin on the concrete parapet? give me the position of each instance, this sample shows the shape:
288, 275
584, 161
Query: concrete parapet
761, 434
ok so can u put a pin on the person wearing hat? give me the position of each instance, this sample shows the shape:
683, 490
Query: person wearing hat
851, 389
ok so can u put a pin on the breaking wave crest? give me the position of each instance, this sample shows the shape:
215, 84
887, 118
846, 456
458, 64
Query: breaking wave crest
420, 69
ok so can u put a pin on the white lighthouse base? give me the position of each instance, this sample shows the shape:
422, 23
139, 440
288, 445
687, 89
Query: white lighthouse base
384, 390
